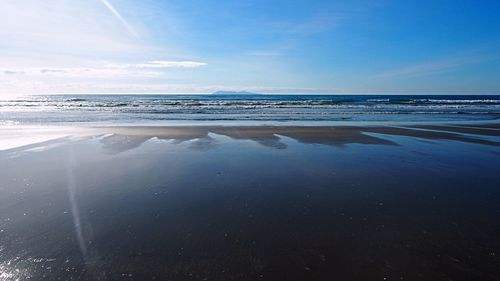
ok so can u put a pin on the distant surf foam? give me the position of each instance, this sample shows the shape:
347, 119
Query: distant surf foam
124, 108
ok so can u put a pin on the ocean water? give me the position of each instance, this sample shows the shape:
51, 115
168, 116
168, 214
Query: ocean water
49, 109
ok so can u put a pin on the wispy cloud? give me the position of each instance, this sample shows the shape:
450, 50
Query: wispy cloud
120, 18
429, 67
107, 70
161, 64
78, 72
8, 72
70, 30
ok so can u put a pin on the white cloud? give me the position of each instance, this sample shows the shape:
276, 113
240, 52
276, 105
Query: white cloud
91, 77
68, 87
161, 64
107, 70
77, 72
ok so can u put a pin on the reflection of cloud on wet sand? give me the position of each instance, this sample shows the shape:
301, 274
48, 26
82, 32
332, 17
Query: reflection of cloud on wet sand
120, 139
126, 138
436, 133
333, 136
203, 144
118, 143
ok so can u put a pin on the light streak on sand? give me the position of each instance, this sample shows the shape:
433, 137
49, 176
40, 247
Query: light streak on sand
74, 204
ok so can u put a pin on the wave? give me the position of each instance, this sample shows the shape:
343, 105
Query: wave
265, 105
271, 103
487, 101
435, 101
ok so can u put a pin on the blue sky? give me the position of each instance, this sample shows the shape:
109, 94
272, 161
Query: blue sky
124, 46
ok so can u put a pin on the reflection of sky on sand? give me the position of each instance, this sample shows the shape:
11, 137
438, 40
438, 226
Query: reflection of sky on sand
16, 136
205, 138
119, 139
21, 140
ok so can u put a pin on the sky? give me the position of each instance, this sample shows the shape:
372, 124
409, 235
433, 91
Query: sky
268, 46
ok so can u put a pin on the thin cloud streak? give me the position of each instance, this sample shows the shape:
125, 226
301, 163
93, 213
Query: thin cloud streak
109, 70
78, 72
120, 18
429, 67
161, 64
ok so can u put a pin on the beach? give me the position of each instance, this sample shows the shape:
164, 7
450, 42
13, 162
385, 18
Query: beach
402, 201
189, 140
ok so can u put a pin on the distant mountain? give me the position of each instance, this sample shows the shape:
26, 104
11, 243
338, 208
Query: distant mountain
232, 93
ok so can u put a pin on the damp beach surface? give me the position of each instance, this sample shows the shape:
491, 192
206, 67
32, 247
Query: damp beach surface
419, 202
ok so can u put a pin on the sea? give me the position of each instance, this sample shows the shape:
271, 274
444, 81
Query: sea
179, 109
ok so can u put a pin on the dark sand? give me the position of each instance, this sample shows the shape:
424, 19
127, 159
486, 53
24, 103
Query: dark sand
253, 203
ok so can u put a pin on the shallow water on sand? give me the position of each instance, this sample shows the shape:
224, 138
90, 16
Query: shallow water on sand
233, 206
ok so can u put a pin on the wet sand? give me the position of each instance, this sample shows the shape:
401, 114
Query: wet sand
251, 203
126, 137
